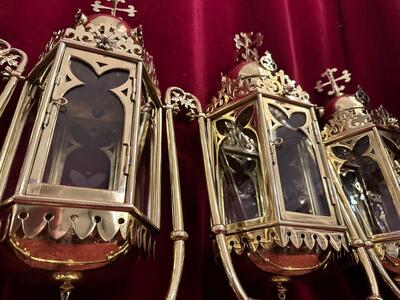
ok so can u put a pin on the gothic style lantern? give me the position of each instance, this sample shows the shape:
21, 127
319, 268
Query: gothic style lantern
363, 150
269, 190
89, 187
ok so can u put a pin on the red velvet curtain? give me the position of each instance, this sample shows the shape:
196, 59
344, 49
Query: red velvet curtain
192, 43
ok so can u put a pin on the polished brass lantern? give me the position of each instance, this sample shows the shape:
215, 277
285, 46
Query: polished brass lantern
89, 188
363, 149
269, 188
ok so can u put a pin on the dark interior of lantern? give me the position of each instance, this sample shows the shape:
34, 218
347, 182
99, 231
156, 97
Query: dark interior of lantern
88, 134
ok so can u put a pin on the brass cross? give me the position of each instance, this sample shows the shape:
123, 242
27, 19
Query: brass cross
246, 44
97, 6
336, 89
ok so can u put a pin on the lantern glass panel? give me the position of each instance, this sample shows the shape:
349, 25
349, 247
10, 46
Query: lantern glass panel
366, 188
301, 181
88, 133
239, 166
145, 154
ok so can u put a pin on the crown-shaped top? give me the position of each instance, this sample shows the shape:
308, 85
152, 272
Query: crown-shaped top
254, 73
346, 112
107, 32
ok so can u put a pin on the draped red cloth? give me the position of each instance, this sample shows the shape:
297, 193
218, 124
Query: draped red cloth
192, 43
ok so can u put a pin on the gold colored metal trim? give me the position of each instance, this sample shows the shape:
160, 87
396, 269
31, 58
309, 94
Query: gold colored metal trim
269, 80
110, 257
249, 97
44, 201
281, 289
263, 223
178, 235
12, 138
66, 278
35, 139
312, 268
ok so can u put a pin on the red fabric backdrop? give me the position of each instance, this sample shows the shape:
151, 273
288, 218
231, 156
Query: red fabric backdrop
191, 42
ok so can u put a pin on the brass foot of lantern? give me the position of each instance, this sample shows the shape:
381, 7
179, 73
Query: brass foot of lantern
66, 278
280, 284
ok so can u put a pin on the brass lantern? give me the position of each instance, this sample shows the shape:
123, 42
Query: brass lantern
89, 188
270, 193
363, 149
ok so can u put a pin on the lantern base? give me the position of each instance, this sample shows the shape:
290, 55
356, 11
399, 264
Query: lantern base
66, 278
280, 284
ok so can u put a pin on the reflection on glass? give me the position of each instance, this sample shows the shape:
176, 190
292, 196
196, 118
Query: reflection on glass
88, 132
240, 187
302, 186
239, 168
366, 189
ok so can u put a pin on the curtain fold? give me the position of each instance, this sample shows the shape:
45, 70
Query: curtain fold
192, 43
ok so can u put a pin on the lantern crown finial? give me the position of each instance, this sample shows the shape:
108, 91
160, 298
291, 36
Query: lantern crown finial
246, 45
332, 81
130, 10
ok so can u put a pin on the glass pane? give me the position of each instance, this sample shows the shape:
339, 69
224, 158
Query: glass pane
142, 198
240, 186
302, 186
367, 190
143, 184
88, 133
238, 161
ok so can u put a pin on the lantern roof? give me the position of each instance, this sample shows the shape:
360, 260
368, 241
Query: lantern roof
346, 112
254, 73
107, 32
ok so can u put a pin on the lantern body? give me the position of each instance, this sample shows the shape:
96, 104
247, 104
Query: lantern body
273, 199
89, 187
363, 148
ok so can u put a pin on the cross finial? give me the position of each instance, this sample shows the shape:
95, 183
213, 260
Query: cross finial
336, 89
97, 6
246, 44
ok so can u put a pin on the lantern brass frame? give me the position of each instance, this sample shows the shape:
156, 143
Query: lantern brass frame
116, 49
345, 128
